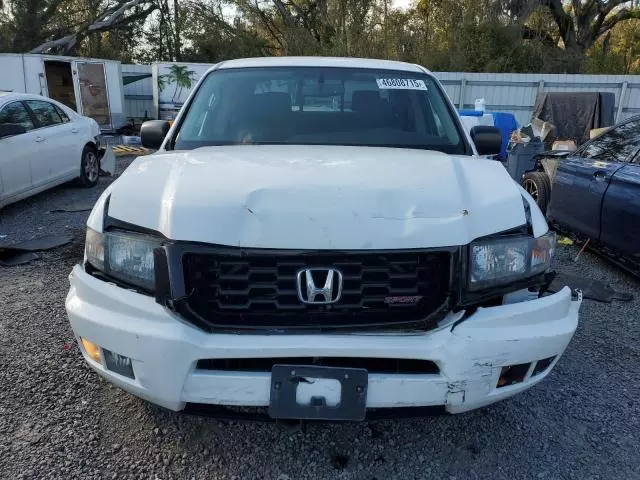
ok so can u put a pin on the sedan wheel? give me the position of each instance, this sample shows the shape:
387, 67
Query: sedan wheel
530, 186
537, 185
89, 168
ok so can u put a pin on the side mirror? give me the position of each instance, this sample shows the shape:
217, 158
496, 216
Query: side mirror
152, 133
488, 140
11, 129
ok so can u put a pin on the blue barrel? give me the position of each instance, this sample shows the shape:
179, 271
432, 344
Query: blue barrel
507, 124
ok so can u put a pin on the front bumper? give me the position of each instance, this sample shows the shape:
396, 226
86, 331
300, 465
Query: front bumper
470, 355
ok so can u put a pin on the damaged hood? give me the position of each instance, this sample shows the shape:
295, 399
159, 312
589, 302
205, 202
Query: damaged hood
317, 197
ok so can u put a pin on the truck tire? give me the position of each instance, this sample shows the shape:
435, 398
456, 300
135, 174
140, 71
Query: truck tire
89, 167
537, 184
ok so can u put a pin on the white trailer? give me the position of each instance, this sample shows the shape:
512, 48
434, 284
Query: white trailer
89, 86
172, 83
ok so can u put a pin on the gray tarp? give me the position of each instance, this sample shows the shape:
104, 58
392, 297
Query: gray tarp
574, 114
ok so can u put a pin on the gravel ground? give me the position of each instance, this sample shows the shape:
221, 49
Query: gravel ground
59, 420
33, 217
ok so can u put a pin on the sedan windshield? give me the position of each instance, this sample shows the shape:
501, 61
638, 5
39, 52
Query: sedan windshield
320, 106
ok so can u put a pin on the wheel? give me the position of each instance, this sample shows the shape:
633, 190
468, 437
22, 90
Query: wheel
537, 185
89, 167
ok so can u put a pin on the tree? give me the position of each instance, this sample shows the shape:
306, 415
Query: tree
584, 22
62, 26
162, 82
297, 27
618, 51
477, 35
182, 77
211, 34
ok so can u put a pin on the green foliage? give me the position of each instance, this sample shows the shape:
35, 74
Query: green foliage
26, 24
618, 51
181, 77
600, 36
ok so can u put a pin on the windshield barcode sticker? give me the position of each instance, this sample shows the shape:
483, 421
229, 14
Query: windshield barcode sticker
400, 84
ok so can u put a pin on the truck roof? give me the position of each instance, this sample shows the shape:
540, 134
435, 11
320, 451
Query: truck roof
341, 62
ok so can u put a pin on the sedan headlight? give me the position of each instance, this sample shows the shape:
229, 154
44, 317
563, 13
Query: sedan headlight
124, 256
499, 261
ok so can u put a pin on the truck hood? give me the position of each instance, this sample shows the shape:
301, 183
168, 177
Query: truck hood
317, 197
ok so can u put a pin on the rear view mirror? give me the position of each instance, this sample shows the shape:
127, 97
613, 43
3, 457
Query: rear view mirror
152, 133
488, 140
11, 129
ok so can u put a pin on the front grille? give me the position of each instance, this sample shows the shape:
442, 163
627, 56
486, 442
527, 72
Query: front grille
372, 365
260, 290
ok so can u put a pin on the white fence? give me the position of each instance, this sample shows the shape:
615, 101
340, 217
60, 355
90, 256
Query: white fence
516, 92
503, 92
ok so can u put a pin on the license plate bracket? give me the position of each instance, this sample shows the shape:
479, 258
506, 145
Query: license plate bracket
284, 384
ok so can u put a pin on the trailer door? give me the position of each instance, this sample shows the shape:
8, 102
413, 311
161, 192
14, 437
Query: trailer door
91, 82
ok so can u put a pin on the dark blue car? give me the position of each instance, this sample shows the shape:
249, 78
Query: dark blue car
596, 191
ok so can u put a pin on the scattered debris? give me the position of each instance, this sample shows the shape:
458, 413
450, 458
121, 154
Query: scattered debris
108, 162
575, 114
131, 140
17, 258
564, 146
545, 131
596, 132
564, 241
125, 150
586, 244
79, 206
23, 252
536, 130
591, 288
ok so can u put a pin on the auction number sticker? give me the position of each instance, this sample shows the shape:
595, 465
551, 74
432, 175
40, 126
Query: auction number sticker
400, 84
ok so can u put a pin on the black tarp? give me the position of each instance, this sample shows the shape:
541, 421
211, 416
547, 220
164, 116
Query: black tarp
574, 114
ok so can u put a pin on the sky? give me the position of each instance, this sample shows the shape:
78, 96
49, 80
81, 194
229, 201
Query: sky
401, 3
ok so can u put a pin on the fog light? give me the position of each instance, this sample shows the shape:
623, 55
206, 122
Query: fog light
513, 374
118, 363
91, 349
542, 365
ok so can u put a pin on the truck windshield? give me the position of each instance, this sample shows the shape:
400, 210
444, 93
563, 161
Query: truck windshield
320, 106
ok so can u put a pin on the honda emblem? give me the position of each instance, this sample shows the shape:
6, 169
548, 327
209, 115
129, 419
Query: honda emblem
330, 290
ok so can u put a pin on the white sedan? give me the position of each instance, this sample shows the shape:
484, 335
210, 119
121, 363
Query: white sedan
43, 144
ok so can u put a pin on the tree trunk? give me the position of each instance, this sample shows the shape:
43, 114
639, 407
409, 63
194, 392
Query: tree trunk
343, 27
176, 30
175, 92
108, 20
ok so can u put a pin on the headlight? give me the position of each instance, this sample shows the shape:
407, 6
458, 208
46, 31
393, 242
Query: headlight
498, 261
124, 256
94, 248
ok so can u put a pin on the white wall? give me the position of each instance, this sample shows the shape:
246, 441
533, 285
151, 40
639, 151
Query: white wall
25, 73
12, 76
138, 96
21, 73
113, 73
34, 74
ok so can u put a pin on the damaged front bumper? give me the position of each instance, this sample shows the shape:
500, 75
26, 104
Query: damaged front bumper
493, 354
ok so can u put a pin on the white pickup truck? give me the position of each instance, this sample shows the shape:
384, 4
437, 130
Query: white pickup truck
319, 237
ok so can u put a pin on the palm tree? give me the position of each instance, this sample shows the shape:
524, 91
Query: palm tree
162, 82
187, 81
182, 77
